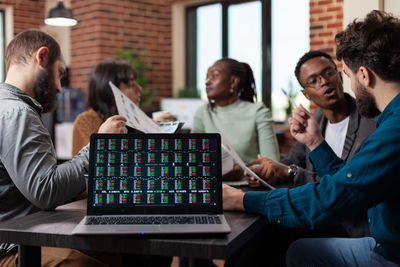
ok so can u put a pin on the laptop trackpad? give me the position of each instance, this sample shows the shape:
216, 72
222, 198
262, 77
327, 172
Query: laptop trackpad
137, 228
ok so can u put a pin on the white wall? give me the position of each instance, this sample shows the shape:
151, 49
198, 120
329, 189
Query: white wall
392, 6
353, 9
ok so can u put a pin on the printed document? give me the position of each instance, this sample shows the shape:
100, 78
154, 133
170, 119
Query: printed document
137, 119
225, 144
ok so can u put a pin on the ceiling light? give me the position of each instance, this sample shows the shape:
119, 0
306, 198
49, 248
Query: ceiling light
60, 16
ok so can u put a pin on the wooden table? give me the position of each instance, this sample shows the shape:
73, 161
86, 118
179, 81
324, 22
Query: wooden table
53, 229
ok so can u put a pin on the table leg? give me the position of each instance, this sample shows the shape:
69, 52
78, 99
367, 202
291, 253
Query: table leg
29, 256
191, 262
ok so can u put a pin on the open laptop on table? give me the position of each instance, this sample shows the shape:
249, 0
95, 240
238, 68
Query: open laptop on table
154, 184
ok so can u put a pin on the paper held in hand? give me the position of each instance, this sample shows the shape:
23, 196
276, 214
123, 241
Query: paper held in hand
137, 119
240, 162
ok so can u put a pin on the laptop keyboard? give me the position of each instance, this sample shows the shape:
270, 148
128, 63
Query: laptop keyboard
210, 219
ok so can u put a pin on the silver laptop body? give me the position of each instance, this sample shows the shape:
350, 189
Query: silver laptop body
154, 184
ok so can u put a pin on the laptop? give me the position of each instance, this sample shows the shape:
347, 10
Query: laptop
154, 184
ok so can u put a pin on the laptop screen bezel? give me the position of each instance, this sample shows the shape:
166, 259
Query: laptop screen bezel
195, 209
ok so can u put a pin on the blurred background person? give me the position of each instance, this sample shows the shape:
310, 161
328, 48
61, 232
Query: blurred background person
101, 103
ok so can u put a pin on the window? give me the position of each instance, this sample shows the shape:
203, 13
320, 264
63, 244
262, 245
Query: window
259, 33
223, 29
289, 41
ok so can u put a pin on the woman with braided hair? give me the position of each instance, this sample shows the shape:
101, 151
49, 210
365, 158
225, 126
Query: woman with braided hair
232, 112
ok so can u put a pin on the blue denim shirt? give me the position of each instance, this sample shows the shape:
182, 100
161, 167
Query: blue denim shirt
369, 181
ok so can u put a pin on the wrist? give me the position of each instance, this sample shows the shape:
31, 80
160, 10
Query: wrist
239, 201
292, 171
316, 142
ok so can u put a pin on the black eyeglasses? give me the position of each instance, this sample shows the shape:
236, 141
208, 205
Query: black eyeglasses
314, 81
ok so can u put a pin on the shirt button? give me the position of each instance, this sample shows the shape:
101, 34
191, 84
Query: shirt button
278, 221
369, 220
349, 175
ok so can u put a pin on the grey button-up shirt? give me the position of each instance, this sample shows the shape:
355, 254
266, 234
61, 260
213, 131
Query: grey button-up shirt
30, 178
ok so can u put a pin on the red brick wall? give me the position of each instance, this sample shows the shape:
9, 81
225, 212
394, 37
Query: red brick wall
326, 20
28, 14
106, 25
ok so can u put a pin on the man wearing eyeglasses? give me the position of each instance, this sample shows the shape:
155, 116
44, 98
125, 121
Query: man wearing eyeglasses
344, 129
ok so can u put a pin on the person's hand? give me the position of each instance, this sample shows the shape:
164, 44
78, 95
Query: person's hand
164, 117
232, 198
304, 128
235, 174
114, 124
273, 172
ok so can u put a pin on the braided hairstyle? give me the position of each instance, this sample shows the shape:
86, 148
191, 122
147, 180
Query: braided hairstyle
247, 86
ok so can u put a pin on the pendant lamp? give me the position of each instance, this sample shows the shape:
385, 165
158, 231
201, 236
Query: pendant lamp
60, 16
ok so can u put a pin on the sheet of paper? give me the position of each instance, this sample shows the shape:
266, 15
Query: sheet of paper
225, 144
169, 126
227, 164
135, 117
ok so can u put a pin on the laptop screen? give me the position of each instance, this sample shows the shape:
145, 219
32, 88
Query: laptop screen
154, 173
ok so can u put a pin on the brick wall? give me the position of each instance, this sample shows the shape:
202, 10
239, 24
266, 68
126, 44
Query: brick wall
143, 27
326, 20
28, 14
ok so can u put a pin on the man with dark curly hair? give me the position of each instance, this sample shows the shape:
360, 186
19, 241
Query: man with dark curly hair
369, 181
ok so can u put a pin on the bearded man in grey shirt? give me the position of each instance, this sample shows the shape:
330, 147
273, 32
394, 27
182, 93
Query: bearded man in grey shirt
30, 178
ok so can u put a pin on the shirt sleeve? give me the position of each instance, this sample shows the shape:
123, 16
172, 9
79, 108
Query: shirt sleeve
325, 161
367, 179
28, 155
298, 156
197, 124
267, 142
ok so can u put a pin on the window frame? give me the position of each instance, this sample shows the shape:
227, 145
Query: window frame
191, 40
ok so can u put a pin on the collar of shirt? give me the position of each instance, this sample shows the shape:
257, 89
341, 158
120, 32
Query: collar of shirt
19, 94
389, 109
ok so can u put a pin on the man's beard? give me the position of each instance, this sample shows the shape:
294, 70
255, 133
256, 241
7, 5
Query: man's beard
365, 102
45, 90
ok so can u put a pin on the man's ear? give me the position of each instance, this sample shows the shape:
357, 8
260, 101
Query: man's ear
235, 81
41, 56
305, 94
366, 76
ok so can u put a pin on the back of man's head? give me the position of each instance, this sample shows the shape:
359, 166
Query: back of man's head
20, 49
307, 56
373, 43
